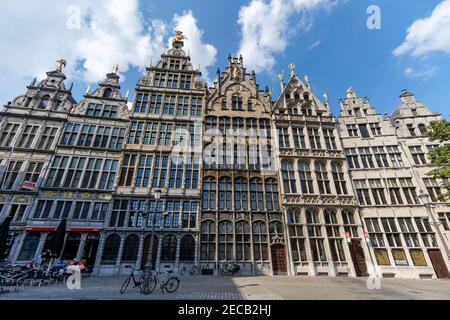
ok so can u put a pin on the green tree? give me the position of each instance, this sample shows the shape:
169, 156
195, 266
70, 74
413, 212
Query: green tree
440, 157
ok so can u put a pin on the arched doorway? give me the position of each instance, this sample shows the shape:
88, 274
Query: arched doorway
90, 250
146, 251
279, 264
71, 246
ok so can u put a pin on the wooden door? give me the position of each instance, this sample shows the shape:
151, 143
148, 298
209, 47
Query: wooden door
359, 261
279, 263
438, 264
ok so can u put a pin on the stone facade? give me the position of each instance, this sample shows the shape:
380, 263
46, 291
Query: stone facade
387, 180
221, 174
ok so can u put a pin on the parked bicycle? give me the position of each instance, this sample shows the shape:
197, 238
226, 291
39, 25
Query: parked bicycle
229, 269
140, 280
166, 282
193, 272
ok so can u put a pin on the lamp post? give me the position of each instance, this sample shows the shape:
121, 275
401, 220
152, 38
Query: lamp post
425, 199
157, 195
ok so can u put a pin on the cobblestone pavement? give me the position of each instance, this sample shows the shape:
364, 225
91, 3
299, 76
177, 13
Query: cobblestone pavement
246, 288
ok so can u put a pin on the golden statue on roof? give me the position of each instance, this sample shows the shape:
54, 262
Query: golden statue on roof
61, 63
179, 36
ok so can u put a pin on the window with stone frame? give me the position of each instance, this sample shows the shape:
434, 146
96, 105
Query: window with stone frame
426, 232
409, 232
196, 106
256, 195
225, 242
396, 156
412, 130
240, 194
362, 191
169, 105
330, 140
209, 193
375, 232
394, 191
176, 173
433, 189
27, 137
272, 197
352, 130
237, 102
160, 171
315, 235
185, 82
141, 103
288, 175
418, 257
444, 218
283, 137
366, 158
375, 128
187, 248
33, 171
17, 212
409, 190
7, 134
130, 249
322, 178
260, 245
64, 208
352, 158
306, 179
381, 157
418, 155
118, 213
340, 182
243, 245
172, 214
155, 104
314, 138
363, 130
189, 215
111, 250
378, 191
208, 241
11, 174
392, 233
297, 236
299, 138
350, 225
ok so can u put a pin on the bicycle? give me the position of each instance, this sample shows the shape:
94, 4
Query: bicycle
194, 271
169, 283
229, 269
140, 282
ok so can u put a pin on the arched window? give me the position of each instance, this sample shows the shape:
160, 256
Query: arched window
111, 250
322, 178
225, 240
272, 199
250, 105
306, 110
130, 249
208, 241
29, 246
294, 216
242, 241
169, 248
256, 194
107, 93
260, 252
423, 129
187, 251
44, 102
339, 178
296, 96
237, 102
225, 192
306, 180
276, 229
287, 168
330, 217
240, 194
209, 193
210, 123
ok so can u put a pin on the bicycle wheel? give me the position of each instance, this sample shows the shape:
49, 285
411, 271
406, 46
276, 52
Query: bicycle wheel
172, 285
125, 285
149, 286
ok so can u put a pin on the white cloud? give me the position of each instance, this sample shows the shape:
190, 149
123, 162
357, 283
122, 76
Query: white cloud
429, 34
266, 28
424, 74
112, 32
314, 45
203, 54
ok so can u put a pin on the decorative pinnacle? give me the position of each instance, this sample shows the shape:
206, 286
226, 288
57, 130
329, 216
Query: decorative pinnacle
61, 63
292, 68
115, 69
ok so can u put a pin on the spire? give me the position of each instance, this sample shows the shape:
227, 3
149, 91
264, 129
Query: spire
308, 83
350, 93
325, 97
88, 89
281, 78
127, 94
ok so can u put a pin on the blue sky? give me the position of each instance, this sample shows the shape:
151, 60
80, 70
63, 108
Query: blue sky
326, 39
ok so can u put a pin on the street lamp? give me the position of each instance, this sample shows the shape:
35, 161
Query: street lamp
426, 200
157, 195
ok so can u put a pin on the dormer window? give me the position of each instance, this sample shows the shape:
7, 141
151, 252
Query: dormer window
412, 130
44, 102
107, 93
357, 112
306, 96
250, 105
414, 112
423, 129
297, 97
306, 111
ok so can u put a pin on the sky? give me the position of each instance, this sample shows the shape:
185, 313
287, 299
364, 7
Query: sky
378, 47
